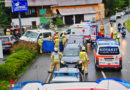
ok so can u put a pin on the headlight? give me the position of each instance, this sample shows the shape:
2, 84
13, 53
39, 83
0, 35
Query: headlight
62, 62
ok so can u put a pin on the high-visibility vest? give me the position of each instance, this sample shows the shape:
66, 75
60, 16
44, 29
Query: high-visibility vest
56, 56
83, 56
49, 38
57, 41
115, 37
64, 41
40, 41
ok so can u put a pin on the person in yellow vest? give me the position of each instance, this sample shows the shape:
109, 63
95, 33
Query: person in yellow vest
115, 35
84, 60
50, 38
102, 30
57, 42
57, 34
7, 32
40, 42
64, 40
55, 59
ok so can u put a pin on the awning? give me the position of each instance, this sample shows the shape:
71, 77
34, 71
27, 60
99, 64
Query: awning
76, 11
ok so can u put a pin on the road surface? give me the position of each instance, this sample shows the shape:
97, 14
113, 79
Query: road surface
38, 71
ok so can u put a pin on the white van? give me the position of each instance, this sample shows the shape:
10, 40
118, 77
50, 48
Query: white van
33, 35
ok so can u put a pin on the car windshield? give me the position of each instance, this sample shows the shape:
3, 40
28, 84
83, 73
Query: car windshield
109, 51
71, 52
31, 34
4, 39
77, 41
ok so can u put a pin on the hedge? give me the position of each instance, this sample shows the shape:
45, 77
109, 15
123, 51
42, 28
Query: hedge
14, 63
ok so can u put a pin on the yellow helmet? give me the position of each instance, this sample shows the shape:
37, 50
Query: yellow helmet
101, 27
115, 33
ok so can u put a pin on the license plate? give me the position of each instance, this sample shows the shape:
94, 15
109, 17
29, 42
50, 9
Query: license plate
108, 59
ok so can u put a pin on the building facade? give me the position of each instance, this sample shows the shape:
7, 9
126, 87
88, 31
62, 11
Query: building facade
71, 11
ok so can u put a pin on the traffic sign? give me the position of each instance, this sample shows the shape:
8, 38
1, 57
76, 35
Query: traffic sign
42, 11
19, 6
43, 20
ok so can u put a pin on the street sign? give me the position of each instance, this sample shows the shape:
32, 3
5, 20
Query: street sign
43, 20
1, 50
42, 11
19, 6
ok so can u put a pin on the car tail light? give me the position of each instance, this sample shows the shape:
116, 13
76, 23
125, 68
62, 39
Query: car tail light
120, 58
9, 43
97, 58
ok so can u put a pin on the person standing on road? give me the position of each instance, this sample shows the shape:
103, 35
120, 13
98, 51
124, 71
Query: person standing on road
115, 35
64, 40
55, 59
40, 42
84, 60
49, 38
57, 42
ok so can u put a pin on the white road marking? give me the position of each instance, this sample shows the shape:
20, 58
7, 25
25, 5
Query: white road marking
103, 74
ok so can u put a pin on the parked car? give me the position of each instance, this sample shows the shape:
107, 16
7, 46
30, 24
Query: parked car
118, 15
122, 13
34, 35
70, 55
66, 75
113, 18
8, 41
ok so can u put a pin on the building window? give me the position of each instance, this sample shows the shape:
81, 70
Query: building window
30, 11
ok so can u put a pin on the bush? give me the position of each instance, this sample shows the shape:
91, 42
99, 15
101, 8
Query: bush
14, 64
48, 25
59, 22
23, 45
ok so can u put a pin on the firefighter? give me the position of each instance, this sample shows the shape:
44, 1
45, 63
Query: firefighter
49, 38
55, 35
115, 35
40, 42
64, 41
7, 32
57, 42
55, 59
84, 60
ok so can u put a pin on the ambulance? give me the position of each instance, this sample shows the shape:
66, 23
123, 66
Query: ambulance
89, 31
108, 54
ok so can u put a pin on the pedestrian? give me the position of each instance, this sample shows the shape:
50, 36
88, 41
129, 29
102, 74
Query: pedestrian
64, 40
55, 59
49, 38
17, 34
40, 42
57, 42
7, 32
112, 35
84, 60
115, 35
99, 35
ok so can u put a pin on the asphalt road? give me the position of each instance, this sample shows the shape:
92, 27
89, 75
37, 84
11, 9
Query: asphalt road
38, 71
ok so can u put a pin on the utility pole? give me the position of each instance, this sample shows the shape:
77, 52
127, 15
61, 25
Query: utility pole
20, 25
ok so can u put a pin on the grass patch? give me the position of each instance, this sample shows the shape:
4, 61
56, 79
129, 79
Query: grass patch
127, 25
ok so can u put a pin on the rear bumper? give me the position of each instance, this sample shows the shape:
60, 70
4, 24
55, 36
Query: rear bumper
109, 66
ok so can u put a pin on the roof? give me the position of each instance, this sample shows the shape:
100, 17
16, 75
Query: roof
41, 31
75, 11
76, 2
56, 2
34, 3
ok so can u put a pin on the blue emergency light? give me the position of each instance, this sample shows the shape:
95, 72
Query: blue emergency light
65, 74
107, 42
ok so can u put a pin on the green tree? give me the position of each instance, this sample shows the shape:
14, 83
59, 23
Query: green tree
4, 15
